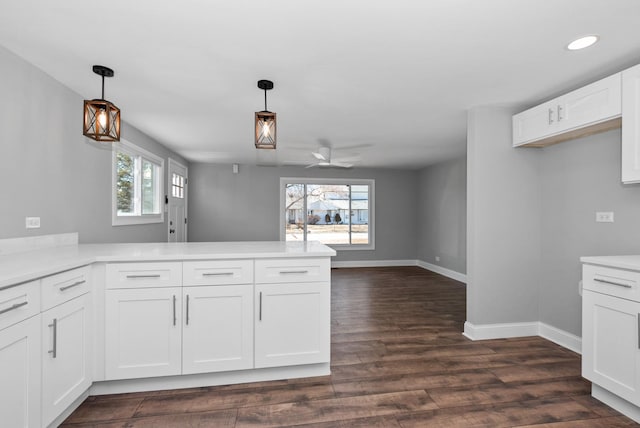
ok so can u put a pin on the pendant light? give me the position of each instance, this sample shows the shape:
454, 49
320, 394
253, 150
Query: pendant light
265, 121
101, 117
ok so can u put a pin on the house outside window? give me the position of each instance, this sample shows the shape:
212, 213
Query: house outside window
137, 185
336, 212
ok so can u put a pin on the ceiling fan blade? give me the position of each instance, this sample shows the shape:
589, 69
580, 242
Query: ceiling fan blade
341, 164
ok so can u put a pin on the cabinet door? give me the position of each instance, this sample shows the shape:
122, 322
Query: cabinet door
590, 104
143, 332
218, 328
535, 123
631, 125
20, 373
292, 324
610, 344
66, 351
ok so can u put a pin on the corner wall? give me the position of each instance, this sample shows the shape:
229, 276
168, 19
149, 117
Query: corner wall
503, 222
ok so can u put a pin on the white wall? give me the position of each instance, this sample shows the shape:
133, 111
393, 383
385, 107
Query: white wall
442, 216
245, 207
503, 222
49, 169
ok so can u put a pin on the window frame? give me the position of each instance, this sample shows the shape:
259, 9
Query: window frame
336, 182
144, 155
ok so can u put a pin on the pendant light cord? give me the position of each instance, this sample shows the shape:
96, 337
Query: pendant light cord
103, 86
265, 100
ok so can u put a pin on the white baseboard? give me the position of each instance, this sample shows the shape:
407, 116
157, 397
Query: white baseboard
534, 328
372, 263
500, 331
561, 337
443, 271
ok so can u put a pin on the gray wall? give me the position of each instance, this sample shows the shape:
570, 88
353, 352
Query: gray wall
503, 222
245, 207
49, 169
442, 216
579, 178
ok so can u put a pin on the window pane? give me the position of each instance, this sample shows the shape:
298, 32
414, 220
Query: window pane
125, 186
328, 213
177, 186
360, 214
293, 212
150, 202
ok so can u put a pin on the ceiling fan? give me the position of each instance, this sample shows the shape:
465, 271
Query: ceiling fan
323, 155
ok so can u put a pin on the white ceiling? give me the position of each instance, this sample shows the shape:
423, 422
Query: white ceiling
387, 80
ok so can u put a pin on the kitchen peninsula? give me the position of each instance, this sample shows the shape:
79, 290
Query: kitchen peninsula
79, 320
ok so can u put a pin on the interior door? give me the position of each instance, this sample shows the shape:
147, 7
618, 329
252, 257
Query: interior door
177, 198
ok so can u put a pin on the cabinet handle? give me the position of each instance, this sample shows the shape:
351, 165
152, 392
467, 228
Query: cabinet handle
294, 271
156, 275
14, 306
260, 308
174, 309
75, 284
638, 331
217, 273
550, 116
54, 351
187, 314
559, 112
605, 281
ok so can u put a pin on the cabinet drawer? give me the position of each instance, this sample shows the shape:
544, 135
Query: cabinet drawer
19, 302
143, 275
614, 282
64, 286
217, 272
269, 271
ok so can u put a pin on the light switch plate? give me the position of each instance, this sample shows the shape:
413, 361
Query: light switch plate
32, 222
604, 216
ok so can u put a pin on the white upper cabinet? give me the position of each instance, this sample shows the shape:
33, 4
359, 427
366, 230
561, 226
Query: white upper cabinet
588, 110
631, 125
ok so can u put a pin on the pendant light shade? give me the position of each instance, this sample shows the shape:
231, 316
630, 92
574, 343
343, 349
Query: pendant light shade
101, 117
265, 121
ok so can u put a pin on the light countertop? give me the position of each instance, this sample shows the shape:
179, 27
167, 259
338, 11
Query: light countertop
620, 262
30, 265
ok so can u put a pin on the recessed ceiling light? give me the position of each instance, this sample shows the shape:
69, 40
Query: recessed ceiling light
582, 42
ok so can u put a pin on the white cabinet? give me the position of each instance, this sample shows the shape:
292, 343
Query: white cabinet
611, 344
66, 355
292, 324
143, 332
20, 371
611, 330
590, 109
631, 125
218, 328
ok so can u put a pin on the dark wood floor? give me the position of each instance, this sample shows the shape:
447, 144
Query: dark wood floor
398, 360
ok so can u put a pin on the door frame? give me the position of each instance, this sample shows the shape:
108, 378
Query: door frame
171, 163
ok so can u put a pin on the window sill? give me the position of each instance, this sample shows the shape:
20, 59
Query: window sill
137, 220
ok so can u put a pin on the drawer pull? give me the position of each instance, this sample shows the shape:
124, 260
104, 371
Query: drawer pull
54, 351
174, 310
75, 284
187, 316
606, 281
155, 275
14, 306
217, 274
260, 309
294, 271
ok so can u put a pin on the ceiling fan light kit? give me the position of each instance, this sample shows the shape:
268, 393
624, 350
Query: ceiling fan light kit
101, 117
265, 121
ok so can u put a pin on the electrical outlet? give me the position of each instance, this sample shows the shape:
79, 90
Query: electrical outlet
32, 222
604, 216
437, 258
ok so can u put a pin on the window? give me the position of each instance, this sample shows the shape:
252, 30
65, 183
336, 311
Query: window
137, 185
177, 186
336, 212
